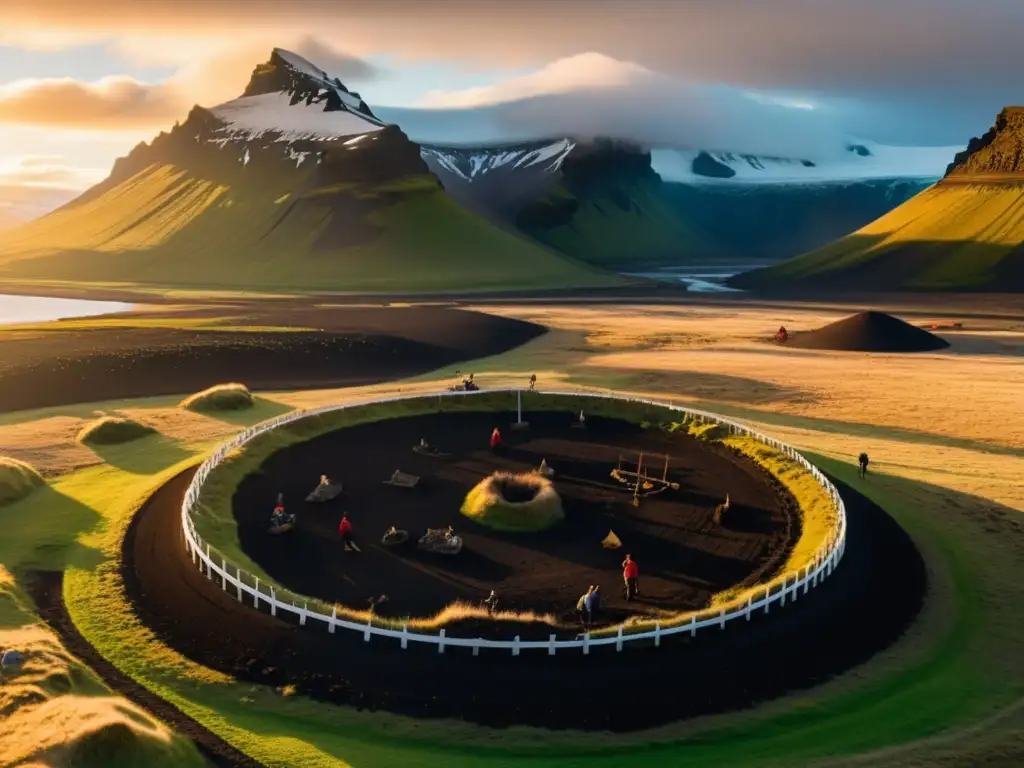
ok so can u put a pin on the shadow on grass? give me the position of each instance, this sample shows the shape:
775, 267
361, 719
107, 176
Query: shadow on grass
42, 530
262, 409
833, 426
145, 456
690, 384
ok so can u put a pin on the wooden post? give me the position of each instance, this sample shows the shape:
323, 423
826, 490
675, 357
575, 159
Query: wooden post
750, 603
224, 574
405, 635
476, 647
273, 602
515, 645
618, 639
440, 642
239, 577
366, 632
334, 619
693, 625
586, 643
256, 595
209, 563
721, 616
657, 634
551, 645
302, 616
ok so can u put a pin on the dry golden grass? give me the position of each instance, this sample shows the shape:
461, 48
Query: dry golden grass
221, 397
17, 479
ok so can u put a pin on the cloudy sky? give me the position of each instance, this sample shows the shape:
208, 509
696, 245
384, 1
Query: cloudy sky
82, 82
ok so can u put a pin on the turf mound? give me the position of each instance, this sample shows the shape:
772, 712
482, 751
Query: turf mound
112, 430
222, 397
17, 480
869, 332
514, 502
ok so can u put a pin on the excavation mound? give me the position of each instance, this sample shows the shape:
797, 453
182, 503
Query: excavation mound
113, 430
869, 332
505, 501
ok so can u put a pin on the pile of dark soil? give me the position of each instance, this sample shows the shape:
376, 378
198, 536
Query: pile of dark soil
869, 332
351, 346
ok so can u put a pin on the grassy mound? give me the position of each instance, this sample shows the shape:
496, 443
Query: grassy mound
113, 430
869, 332
514, 502
17, 480
222, 397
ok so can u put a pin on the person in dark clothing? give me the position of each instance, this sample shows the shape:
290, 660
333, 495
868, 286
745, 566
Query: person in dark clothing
491, 602
862, 460
630, 576
582, 609
593, 604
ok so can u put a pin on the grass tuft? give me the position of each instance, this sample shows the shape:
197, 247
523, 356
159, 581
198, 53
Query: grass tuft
113, 430
222, 397
17, 480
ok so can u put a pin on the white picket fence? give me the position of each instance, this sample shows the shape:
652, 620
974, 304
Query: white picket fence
233, 579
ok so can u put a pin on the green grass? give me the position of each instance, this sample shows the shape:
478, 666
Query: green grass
948, 237
17, 480
485, 504
167, 228
218, 398
113, 430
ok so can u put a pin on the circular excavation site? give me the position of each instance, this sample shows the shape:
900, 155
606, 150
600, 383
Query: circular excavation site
490, 527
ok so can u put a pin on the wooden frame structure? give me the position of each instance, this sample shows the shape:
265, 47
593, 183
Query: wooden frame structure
640, 482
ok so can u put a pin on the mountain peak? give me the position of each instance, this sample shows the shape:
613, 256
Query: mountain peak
999, 151
287, 72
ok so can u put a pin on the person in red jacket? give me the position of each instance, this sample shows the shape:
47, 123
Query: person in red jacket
345, 529
630, 572
495, 439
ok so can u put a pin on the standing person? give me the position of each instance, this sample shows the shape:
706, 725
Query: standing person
862, 460
345, 529
593, 603
630, 573
583, 610
492, 603
495, 439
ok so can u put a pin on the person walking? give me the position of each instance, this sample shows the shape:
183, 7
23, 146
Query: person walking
630, 574
583, 610
862, 461
593, 604
345, 529
492, 603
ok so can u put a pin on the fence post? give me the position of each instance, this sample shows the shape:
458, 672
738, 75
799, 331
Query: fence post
405, 635
807, 578
721, 617
618, 639
273, 602
515, 645
334, 618
476, 647
782, 600
657, 634
693, 625
239, 577
551, 645
209, 563
767, 600
302, 616
366, 632
440, 642
224, 574
586, 643
256, 596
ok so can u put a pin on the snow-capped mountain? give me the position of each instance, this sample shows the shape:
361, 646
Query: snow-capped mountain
861, 161
478, 162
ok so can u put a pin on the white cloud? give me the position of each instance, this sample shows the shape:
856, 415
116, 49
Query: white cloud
583, 71
595, 95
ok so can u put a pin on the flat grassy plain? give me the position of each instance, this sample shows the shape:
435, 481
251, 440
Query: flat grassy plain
946, 437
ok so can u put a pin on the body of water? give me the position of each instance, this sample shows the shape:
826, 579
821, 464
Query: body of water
706, 279
41, 309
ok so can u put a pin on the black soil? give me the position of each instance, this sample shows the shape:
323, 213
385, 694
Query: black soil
861, 609
869, 332
350, 346
683, 557
46, 588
